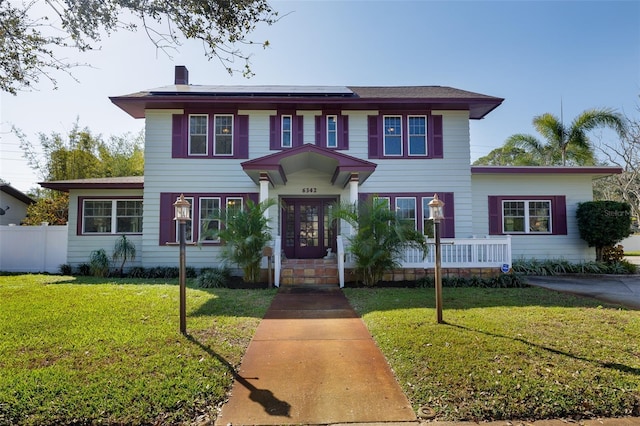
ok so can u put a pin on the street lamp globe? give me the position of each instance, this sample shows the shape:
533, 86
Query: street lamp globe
182, 209
436, 209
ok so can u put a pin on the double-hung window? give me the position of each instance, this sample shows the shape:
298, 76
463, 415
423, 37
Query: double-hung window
285, 132
223, 134
526, 216
209, 218
393, 135
332, 131
417, 135
406, 210
111, 216
198, 124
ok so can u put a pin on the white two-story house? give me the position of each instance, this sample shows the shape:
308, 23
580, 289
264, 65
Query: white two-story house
310, 146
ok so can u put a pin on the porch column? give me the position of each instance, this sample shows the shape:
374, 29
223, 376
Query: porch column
353, 194
264, 190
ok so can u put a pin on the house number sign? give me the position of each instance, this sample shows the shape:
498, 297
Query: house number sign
309, 190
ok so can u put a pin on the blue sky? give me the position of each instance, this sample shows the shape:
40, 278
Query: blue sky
536, 55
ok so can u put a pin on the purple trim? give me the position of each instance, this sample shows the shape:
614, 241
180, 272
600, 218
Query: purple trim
523, 170
434, 136
272, 161
558, 213
241, 139
435, 144
275, 125
136, 104
179, 136
373, 122
274, 132
167, 227
66, 186
342, 130
297, 131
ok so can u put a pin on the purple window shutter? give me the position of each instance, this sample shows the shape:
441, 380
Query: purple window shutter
374, 136
241, 148
178, 140
167, 225
448, 226
298, 130
321, 130
274, 132
559, 206
343, 132
436, 140
495, 215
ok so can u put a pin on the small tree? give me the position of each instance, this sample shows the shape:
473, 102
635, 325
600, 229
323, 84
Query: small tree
245, 232
99, 263
380, 239
603, 223
123, 250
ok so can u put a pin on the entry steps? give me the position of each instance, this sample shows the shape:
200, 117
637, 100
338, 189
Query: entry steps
320, 272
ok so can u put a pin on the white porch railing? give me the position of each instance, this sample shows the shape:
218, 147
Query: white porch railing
484, 252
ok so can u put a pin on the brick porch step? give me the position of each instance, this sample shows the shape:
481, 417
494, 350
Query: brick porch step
309, 272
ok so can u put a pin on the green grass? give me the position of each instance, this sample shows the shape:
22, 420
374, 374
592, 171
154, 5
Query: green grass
632, 253
88, 351
507, 353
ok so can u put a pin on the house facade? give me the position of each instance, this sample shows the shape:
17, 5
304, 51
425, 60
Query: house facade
311, 146
13, 205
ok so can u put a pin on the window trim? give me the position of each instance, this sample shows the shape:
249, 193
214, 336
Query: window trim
80, 230
415, 208
200, 219
526, 218
425, 135
334, 131
434, 137
206, 136
426, 213
384, 136
188, 238
215, 134
289, 132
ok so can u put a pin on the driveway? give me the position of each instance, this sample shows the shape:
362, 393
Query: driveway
621, 289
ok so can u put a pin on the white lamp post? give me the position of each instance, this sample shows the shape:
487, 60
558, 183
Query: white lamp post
436, 214
183, 215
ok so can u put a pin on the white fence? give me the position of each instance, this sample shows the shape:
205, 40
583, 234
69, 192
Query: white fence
33, 248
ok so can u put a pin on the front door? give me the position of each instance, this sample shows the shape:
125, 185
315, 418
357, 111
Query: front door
307, 233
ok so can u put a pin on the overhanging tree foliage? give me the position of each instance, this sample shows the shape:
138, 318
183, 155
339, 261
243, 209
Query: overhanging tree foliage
32, 33
603, 223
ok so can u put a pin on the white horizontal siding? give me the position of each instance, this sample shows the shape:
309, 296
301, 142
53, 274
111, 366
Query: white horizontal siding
576, 188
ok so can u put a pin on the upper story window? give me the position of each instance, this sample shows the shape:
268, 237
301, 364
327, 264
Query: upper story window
523, 216
211, 135
198, 124
111, 216
285, 132
411, 136
393, 135
332, 131
417, 135
223, 137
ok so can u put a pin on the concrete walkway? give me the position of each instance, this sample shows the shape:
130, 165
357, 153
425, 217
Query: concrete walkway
313, 361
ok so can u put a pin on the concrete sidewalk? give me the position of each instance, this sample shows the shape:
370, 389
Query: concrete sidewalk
313, 361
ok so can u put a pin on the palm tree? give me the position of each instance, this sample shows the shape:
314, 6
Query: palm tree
380, 239
567, 143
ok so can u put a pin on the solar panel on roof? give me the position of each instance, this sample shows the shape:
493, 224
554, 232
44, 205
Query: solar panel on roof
254, 90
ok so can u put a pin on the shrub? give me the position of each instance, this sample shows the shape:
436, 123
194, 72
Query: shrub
510, 280
213, 278
65, 269
99, 263
84, 269
123, 250
613, 254
603, 223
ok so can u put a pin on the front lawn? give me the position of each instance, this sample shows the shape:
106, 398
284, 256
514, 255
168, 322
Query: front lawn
88, 351
507, 353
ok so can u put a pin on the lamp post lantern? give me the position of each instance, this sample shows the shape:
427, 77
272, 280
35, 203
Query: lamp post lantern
436, 214
183, 215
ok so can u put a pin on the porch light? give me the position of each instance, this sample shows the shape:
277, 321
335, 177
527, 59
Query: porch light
436, 214
183, 209
183, 215
436, 209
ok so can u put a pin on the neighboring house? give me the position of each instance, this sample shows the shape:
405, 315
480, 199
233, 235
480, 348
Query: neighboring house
13, 205
310, 146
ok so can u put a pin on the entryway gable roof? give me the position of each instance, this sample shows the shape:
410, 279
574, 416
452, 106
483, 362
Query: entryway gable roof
308, 156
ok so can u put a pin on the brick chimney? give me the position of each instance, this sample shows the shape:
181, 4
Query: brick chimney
181, 75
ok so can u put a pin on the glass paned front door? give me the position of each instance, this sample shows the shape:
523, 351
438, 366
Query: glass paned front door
307, 232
